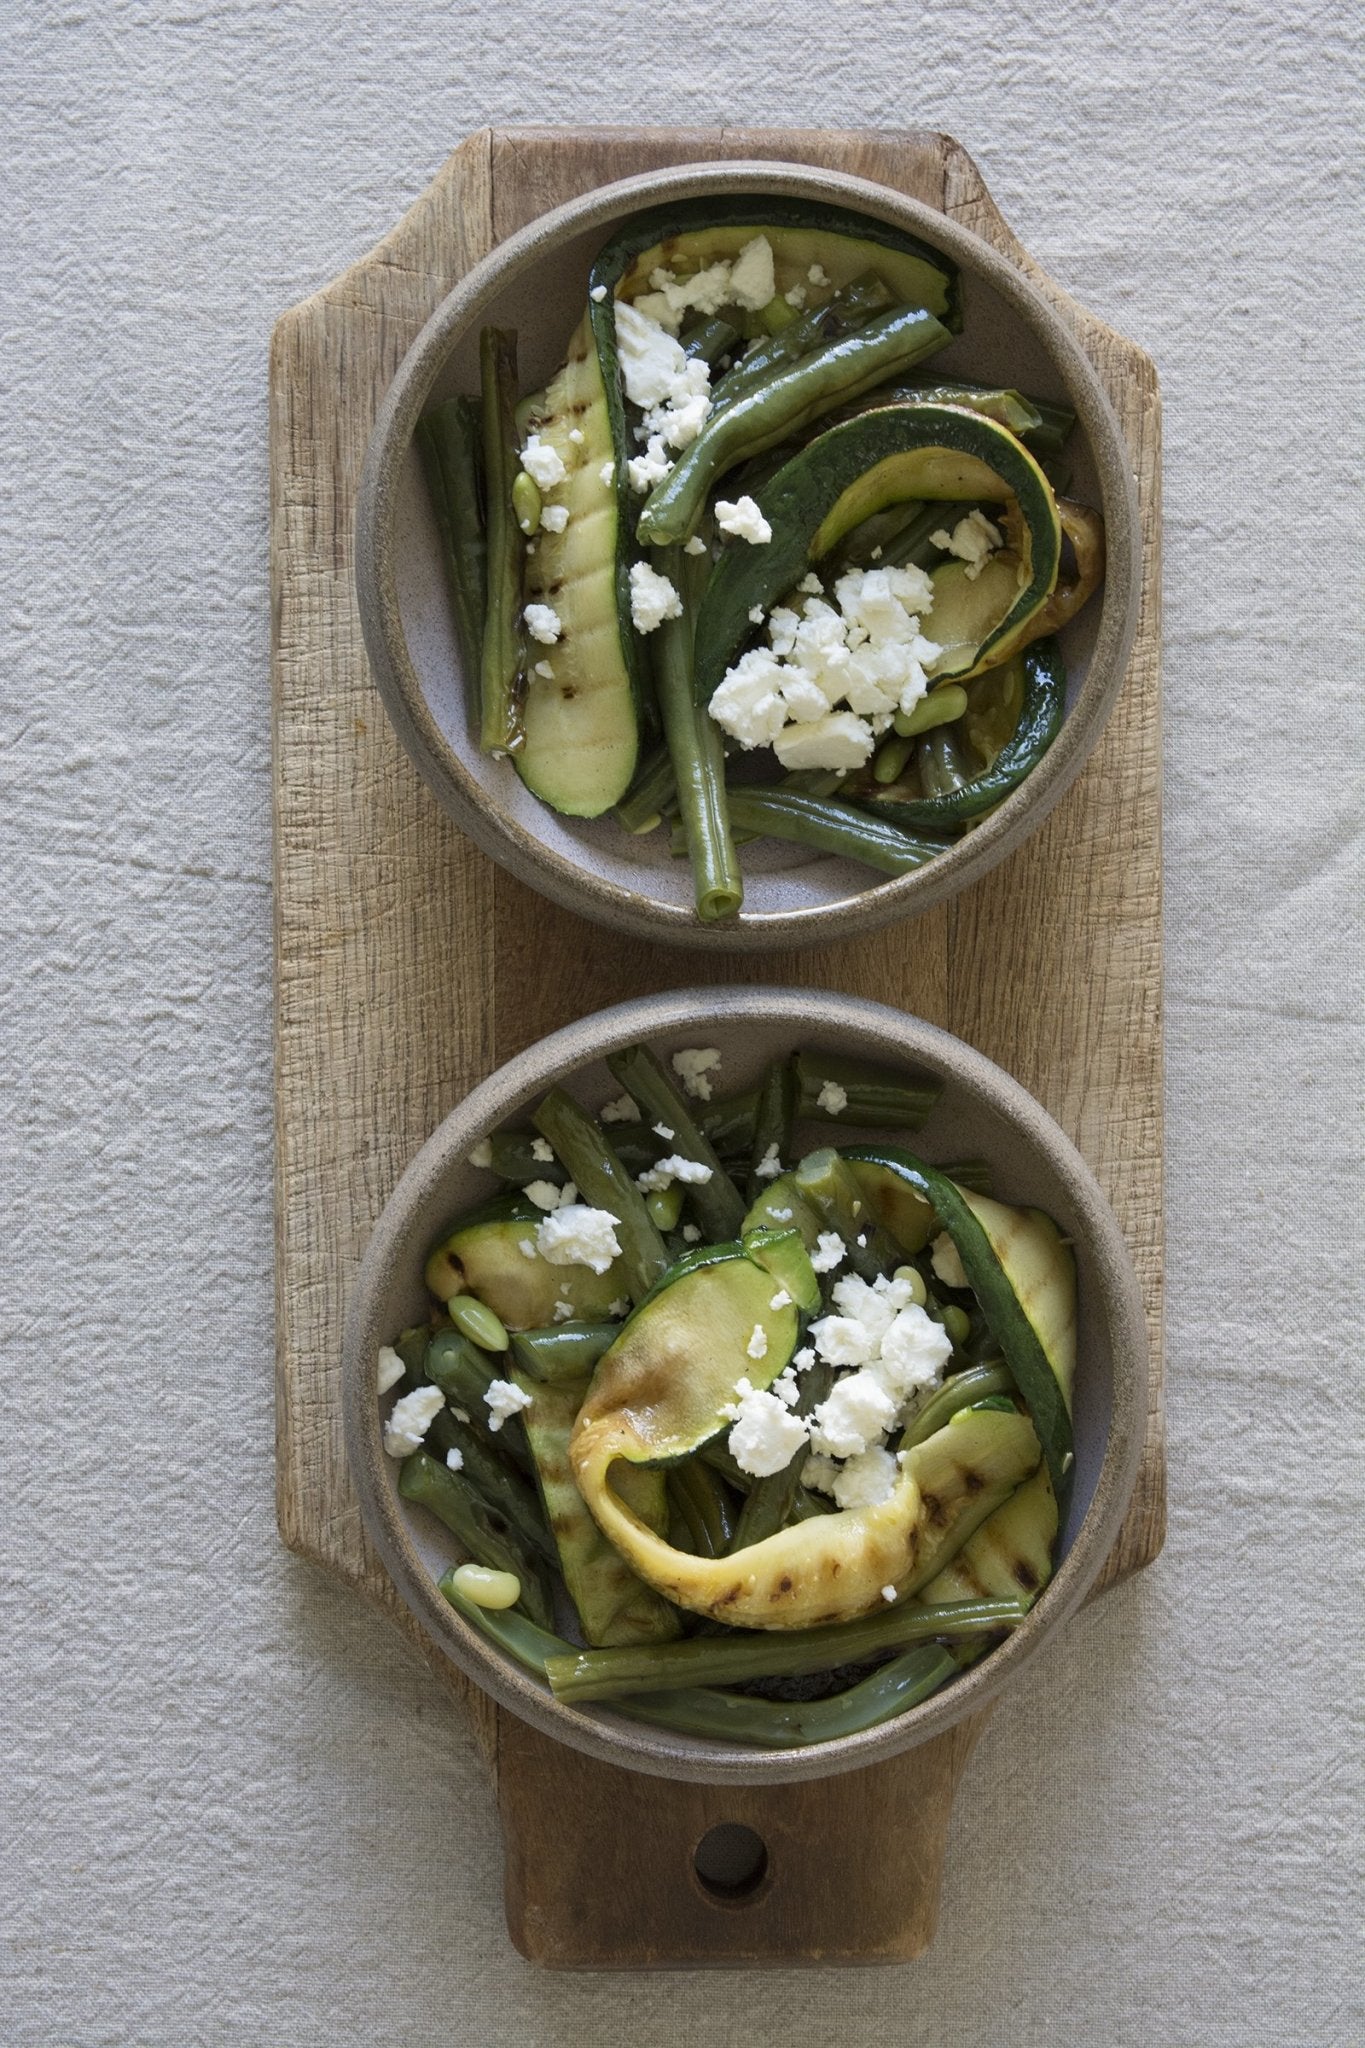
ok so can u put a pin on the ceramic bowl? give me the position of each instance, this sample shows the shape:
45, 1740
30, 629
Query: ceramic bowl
536, 282
981, 1113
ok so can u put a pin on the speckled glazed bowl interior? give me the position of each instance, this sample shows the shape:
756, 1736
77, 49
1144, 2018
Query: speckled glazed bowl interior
536, 282
981, 1113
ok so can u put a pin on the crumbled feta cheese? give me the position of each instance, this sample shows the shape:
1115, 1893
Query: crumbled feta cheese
622, 1111
742, 517
527, 1249
607, 474
819, 1473
410, 1417
830, 1251
504, 1399
973, 540
747, 702
752, 280
770, 1165
856, 1416
913, 1354
650, 359
781, 1299
796, 296
866, 1480
691, 1234
664, 1131
766, 1434
389, 1368
576, 1235
544, 669
652, 598
804, 1359
576, 436
597, 294
554, 518
786, 1389
482, 1154
543, 623
832, 1099
691, 1172
562, 1312
644, 471
543, 1193
816, 274
839, 740
455, 1458
619, 1307
757, 1346
811, 582
946, 1261
695, 546
889, 1595
756, 615
543, 1150
693, 1066
542, 463
1068, 1461
460, 1414
780, 1215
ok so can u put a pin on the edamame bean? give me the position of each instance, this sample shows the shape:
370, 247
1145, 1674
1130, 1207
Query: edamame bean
488, 1588
475, 1320
914, 1280
665, 1205
526, 502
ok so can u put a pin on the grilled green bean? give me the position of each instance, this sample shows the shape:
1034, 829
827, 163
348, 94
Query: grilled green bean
777, 1098
768, 413
695, 748
882, 1097
449, 441
592, 1164
486, 1535
845, 313
768, 1507
727, 1121
1040, 721
500, 714
831, 827
699, 1495
496, 1482
709, 340
564, 1351
827, 1183
770, 1653
716, 1202
651, 797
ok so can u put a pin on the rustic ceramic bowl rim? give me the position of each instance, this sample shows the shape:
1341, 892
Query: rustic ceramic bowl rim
597, 1731
573, 883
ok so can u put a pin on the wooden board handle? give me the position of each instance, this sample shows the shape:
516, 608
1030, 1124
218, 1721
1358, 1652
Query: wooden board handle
602, 1865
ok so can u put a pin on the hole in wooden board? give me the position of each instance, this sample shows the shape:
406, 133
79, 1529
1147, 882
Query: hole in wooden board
731, 1863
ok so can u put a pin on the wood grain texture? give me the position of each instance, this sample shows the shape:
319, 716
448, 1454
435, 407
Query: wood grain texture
408, 967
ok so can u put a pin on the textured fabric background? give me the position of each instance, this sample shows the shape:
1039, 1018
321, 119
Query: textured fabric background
234, 1808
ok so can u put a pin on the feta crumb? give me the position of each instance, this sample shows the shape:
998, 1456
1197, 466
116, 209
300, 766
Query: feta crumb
756, 615
543, 464
543, 623
804, 1359
766, 1435
503, 1399
562, 1312
742, 517
597, 294
770, 1165
460, 1414
576, 1235
663, 1131
622, 1111
543, 669
832, 1099
811, 582
781, 1299
796, 296
543, 1193
856, 1416
946, 1261
619, 1307
527, 1248
691, 1234
1068, 1461
973, 540
829, 1252
695, 546
543, 1150
576, 436
455, 1458
652, 598
889, 1595
816, 274
389, 1368
644, 471
780, 1215
607, 473
410, 1417
757, 1346
663, 1173
819, 1473
839, 740
693, 1066
482, 1155
866, 1481
752, 280
554, 518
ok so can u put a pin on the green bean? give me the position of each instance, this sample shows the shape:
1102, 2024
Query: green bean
722, 1461
940, 707
1040, 721
914, 544
831, 827
448, 440
769, 1653
727, 1121
593, 1165
996, 402
500, 719
464, 1375
699, 1496
942, 765
563, 1351
497, 1483
695, 748
708, 340
846, 312
777, 1097
475, 1319
769, 412
827, 1183
885, 1097
652, 796
715, 1202
768, 1507
489, 1539
963, 1390
889, 761
514, 1157
813, 781
728, 1716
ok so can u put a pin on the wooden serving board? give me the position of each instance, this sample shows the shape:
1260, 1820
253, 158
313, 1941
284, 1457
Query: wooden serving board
408, 966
